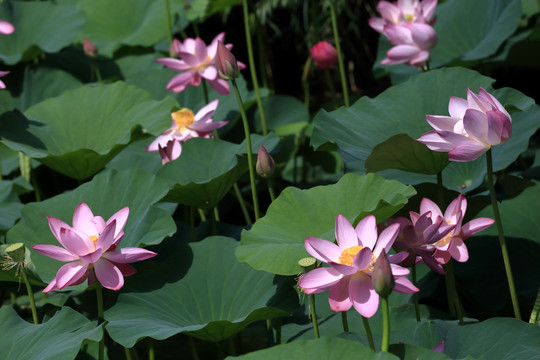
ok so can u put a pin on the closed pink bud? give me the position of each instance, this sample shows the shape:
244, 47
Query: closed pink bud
324, 54
90, 49
6, 28
226, 63
265, 164
381, 277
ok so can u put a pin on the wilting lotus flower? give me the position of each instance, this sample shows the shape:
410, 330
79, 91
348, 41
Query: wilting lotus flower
6, 28
418, 238
403, 12
351, 264
2, 74
452, 245
412, 44
185, 126
324, 54
474, 125
92, 247
197, 61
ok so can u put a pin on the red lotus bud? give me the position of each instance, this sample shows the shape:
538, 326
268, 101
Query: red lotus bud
324, 54
265, 164
226, 63
90, 49
382, 277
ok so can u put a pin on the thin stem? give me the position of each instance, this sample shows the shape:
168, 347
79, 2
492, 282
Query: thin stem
453, 297
278, 331
415, 295
242, 203
127, 352
502, 241
340, 57
252, 67
305, 81
193, 349
101, 316
368, 333
201, 214
260, 50
271, 189
344, 321
205, 90
30, 295
169, 24
330, 85
440, 190
249, 155
313, 313
386, 323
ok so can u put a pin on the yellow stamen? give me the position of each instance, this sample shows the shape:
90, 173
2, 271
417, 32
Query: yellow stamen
409, 17
445, 240
183, 117
94, 239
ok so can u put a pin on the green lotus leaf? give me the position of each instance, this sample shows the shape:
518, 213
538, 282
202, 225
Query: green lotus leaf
105, 194
402, 109
57, 339
323, 348
78, 132
414, 352
207, 169
275, 243
36, 25
199, 289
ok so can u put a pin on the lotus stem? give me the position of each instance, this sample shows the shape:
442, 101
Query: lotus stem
248, 145
454, 303
340, 57
368, 333
386, 323
502, 241
330, 84
305, 82
415, 295
30, 295
101, 317
252, 67
169, 24
344, 321
242, 203
313, 313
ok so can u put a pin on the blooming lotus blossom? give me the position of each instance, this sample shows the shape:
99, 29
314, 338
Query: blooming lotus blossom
197, 61
351, 264
403, 12
412, 44
474, 125
185, 126
91, 247
418, 236
6, 28
2, 74
324, 54
453, 245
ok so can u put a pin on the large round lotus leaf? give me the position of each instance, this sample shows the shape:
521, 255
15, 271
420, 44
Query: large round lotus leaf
275, 243
494, 339
285, 115
461, 36
402, 109
10, 205
125, 22
207, 169
105, 194
78, 132
413, 352
519, 215
59, 338
199, 289
323, 348
36, 24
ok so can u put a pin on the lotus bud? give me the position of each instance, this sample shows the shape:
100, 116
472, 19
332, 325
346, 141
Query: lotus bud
90, 49
265, 164
324, 54
381, 276
226, 63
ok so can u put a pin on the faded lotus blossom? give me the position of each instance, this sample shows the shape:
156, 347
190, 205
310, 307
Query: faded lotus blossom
453, 245
197, 62
412, 44
2, 74
403, 12
6, 28
90, 247
351, 261
226, 63
265, 163
324, 54
474, 125
184, 126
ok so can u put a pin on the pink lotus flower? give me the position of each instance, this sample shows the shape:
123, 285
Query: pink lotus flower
185, 126
403, 12
418, 238
351, 264
474, 125
6, 28
92, 247
412, 44
324, 54
452, 245
197, 61
2, 74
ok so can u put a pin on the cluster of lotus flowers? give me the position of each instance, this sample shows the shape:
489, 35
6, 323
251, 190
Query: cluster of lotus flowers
408, 25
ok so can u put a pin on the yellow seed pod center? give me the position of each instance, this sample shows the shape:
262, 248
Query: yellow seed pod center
347, 255
183, 117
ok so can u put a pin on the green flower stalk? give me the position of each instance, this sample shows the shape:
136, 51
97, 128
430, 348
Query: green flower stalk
307, 264
340, 56
383, 282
